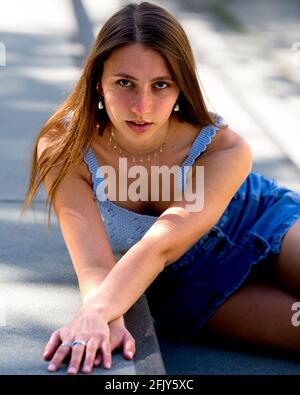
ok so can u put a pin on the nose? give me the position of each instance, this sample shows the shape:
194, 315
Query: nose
142, 102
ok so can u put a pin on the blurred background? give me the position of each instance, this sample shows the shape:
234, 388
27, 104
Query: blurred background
248, 60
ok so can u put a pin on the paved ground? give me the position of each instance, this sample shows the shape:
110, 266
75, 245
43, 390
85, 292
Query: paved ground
248, 76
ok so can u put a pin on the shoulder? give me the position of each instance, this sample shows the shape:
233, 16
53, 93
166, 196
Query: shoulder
50, 139
225, 145
226, 138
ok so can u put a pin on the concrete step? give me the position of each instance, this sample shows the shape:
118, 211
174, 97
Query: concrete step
39, 293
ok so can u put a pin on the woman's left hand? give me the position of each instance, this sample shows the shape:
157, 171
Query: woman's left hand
80, 340
120, 338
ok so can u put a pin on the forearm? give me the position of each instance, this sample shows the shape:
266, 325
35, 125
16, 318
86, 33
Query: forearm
89, 281
128, 280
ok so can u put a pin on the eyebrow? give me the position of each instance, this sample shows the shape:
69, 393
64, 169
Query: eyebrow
161, 77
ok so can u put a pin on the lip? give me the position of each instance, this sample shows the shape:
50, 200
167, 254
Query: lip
138, 128
141, 121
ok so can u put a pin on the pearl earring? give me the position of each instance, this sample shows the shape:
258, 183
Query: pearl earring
100, 104
176, 108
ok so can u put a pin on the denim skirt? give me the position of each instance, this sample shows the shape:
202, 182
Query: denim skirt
249, 233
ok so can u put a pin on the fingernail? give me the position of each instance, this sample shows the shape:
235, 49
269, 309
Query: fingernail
51, 366
130, 354
72, 370
107, 365
86, 369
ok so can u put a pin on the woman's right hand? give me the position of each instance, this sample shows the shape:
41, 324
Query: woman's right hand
119, 337
90, 330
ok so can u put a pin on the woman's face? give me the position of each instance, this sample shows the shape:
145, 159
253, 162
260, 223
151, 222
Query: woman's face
137, 86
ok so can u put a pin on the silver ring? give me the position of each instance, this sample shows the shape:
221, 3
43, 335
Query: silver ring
68, 344
81, 342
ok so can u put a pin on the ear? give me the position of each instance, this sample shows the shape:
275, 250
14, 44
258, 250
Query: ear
99, 88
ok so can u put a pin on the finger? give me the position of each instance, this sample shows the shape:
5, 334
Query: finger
129, 346
106, 354
62, 352
98, 359
52, 345
76, 358
90, 354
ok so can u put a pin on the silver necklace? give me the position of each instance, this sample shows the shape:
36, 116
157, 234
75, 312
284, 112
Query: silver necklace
136, 158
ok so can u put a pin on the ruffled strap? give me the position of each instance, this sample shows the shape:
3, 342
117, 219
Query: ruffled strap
92, 163
200, 144
97, 177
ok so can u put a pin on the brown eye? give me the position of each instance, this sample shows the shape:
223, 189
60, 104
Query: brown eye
124, 83
161, 83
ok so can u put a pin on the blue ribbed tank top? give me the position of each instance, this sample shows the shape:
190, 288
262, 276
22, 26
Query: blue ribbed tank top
125, 227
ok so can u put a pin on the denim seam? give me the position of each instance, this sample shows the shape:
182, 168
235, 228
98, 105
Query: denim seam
277, 238
246, 197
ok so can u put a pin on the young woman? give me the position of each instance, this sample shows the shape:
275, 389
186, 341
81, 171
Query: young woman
137, 108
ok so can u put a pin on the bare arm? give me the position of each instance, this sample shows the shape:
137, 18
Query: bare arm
88, 245
176, 229
82, 228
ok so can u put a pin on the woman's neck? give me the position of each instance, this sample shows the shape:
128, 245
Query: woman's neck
140, 146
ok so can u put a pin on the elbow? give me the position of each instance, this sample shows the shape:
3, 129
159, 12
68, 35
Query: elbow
150, 244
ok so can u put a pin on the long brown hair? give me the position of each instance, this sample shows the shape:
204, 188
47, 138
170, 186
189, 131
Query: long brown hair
143, 23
